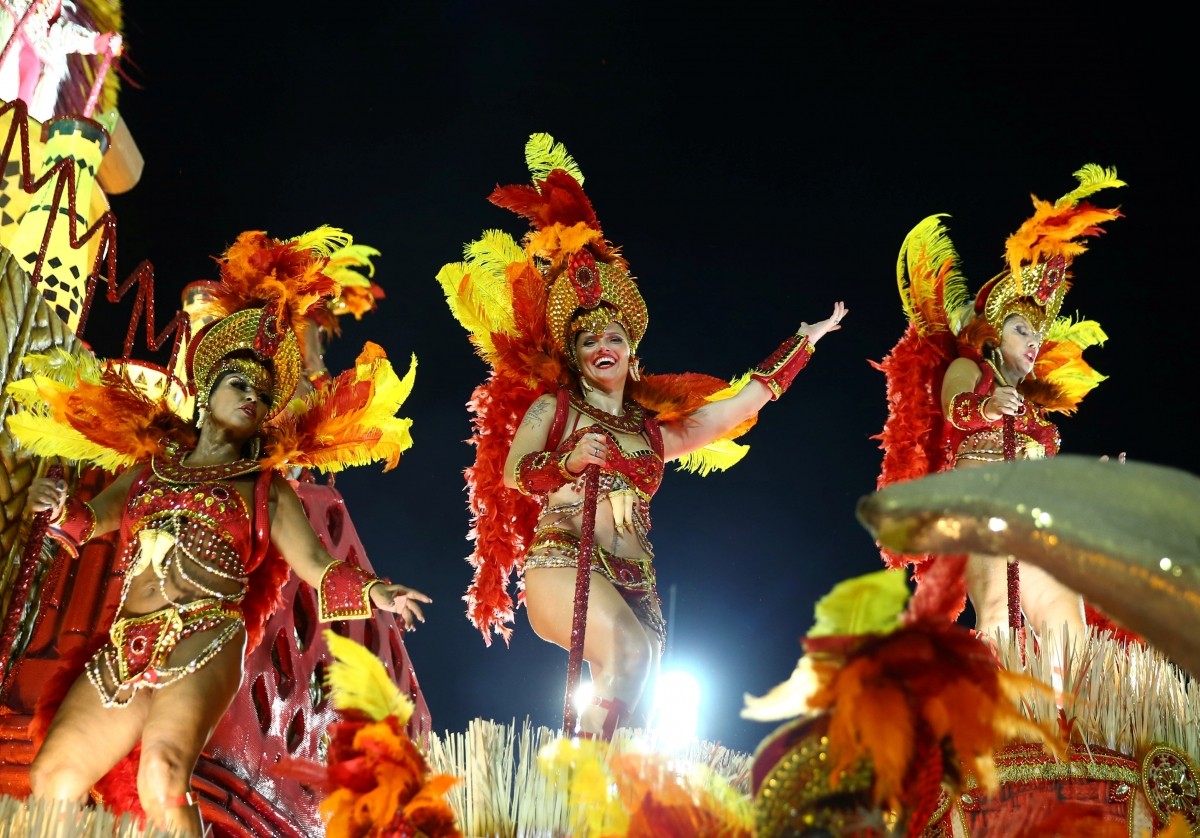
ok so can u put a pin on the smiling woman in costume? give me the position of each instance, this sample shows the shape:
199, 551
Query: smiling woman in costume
560, 320
205, 519
972, 383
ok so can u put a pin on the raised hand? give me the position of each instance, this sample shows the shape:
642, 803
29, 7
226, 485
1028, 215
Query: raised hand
833, 323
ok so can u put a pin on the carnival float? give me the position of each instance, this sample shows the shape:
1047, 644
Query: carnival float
895, 722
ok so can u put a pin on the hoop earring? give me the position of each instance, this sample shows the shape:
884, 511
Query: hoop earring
635, 368
583, 385
201, 413
255, 447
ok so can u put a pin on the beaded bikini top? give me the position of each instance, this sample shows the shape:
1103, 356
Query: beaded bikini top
643, 470
171, 499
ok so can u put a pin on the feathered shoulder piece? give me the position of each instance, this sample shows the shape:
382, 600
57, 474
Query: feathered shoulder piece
89, 412
351, 421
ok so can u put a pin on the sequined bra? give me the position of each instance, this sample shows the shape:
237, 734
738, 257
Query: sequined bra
642, 470
174, 508
1036, 436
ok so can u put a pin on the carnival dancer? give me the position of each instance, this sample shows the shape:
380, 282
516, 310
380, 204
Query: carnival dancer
571, 436
206, 519
972, 382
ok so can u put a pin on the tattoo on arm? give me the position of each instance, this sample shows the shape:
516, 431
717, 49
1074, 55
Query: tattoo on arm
533, 418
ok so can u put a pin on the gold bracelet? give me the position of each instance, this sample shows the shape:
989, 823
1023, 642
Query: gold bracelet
566, 472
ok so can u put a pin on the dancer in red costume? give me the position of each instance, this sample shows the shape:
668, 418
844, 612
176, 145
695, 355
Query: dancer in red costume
205, 517
971, 383
563, 345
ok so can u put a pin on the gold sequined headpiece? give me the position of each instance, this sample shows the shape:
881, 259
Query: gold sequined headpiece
236, 343
589, 295
1039, 254
1035, 291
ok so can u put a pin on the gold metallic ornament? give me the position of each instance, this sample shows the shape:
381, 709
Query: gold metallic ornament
212, 348
619, 299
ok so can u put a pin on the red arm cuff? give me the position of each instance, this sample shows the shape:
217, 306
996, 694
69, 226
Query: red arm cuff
542, 472
783, 365
345, 592
966, 412
75, 525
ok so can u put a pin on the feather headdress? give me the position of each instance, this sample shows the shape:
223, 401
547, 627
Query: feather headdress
944, 322
267, 286
520, 302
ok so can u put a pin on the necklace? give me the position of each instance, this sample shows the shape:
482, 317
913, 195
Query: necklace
170, 467
630, 422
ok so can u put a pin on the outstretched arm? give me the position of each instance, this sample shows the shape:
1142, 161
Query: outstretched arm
293, 536
717, 419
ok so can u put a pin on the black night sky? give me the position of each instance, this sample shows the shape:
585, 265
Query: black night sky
756, 162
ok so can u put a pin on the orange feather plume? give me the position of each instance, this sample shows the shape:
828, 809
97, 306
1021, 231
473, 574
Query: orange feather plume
350, 421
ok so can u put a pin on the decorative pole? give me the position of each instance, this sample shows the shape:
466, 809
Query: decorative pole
583, 578
19, 603
1015, 620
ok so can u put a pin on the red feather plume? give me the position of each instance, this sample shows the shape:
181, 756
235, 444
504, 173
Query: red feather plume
559, 199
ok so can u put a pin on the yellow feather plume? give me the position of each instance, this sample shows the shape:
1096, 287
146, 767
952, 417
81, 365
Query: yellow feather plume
324, 240
359, 681
44, 436
458, 284
491, 254
1085, 333
868, 604
716, 456
1092, 178
477, 290
543, 155
346, 262
931, 285
64, 367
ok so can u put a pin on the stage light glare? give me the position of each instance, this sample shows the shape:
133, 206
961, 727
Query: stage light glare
676, 708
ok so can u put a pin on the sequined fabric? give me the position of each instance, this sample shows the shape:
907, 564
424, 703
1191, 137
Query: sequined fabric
188, 532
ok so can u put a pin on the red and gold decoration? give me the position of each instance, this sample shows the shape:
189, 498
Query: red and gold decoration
377, 781
345, 592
